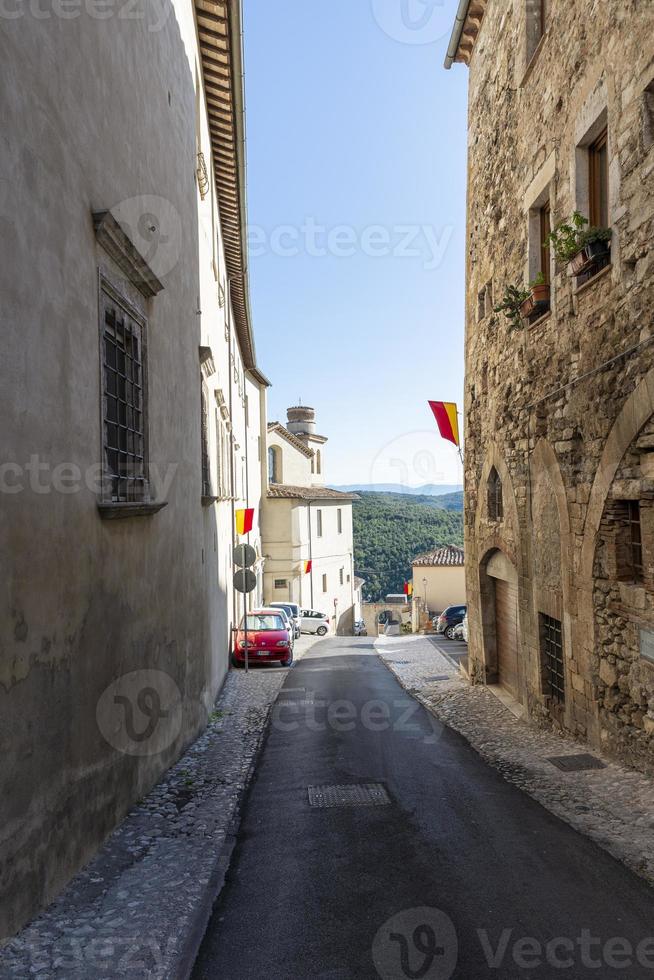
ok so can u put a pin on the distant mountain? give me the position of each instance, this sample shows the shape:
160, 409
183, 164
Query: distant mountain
429, 489
390, 529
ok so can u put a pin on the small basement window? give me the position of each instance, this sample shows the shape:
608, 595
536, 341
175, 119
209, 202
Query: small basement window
281, 583
551, 642
629, 541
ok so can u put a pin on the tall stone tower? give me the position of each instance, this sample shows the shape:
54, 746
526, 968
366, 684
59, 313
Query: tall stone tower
302, 424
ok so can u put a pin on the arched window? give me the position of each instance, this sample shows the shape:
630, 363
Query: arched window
495, 503
313, 463
318, 462
274, 464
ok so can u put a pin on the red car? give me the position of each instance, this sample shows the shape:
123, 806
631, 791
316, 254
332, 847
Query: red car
268, 639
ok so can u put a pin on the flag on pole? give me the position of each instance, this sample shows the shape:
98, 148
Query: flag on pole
448, 422
408, 589
244, 521
308, 565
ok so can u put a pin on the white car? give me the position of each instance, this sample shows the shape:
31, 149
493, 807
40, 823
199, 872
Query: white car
315, 622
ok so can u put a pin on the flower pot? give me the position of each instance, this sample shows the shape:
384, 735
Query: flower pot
527, 307
578, 262
597, 250
591, 254
541, 294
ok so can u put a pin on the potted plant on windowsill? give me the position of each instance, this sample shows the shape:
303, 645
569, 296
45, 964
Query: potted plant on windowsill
514, 300
540, 291
579, 247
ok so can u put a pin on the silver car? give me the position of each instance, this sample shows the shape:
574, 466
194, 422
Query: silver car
293, 612
288, 623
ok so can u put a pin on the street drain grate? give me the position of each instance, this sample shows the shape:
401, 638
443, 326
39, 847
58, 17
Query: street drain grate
438, 677
576, 763
399, 663
360, 794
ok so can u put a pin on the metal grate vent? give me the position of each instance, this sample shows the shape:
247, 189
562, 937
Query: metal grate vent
360, 794
399, 663
438, 677
576, 763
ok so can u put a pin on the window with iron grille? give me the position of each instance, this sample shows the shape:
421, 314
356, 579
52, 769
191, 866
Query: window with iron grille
551, 637
629, 541
635, 539
206, 467
123, 404
495, 502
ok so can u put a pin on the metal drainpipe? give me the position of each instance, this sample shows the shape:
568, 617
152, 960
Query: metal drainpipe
457, 31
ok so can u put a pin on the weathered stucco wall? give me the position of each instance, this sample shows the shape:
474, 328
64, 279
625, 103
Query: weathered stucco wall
446, 586
100, 114
548, 404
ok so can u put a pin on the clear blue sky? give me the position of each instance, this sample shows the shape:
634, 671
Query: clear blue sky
353, 122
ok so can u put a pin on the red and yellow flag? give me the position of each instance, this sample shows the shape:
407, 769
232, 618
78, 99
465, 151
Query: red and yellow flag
448, 422
408, 589
308, 565
244, 521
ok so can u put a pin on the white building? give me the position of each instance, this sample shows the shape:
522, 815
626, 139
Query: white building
306, 527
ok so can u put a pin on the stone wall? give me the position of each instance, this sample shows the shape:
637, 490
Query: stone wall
555, 405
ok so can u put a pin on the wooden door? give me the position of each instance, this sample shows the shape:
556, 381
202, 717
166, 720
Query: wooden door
506, 627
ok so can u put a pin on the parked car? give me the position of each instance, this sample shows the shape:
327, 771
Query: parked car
464, 628
315, 622
288, 623
293, 612
448, 619
458, 632
268, 638
360, 628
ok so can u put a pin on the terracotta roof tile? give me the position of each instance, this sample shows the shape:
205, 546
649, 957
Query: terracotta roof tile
283, 491
448, 555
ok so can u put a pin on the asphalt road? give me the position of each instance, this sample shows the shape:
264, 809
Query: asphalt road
460, 875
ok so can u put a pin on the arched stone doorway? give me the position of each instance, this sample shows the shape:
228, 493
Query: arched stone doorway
501, 621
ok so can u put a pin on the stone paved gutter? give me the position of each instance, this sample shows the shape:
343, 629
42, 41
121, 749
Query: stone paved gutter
613, 806
140, 908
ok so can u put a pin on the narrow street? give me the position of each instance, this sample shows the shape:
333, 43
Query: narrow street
312, 890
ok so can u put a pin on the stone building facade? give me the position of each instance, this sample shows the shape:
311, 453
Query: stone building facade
559, 401
132, 412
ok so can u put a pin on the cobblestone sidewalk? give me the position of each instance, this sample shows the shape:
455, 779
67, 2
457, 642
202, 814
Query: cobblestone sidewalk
614, 806
140, 908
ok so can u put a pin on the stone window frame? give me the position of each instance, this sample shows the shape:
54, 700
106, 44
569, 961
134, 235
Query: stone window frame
339, 520
537, 19
593, 122
540, 192
485, 301
495, 496
647, 116
324, 582
319, 525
